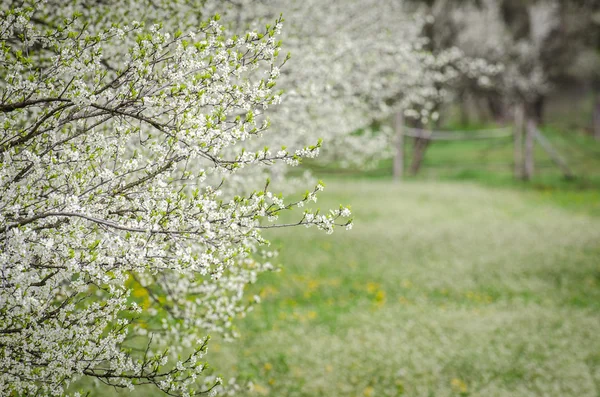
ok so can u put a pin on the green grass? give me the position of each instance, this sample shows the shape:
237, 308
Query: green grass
439, 290
490, 163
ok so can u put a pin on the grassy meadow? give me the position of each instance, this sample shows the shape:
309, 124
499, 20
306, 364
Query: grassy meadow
461, 282
441, 289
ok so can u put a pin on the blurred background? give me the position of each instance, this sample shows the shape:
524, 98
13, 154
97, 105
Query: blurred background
473, 268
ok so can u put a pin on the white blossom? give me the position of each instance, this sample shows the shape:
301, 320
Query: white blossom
122, 215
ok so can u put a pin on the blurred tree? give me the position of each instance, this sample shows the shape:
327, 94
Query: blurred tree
542, 43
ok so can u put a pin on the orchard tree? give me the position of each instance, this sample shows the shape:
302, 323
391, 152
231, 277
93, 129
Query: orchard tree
124, 229
540, 43
356, 64
401, 74
517, 36
321, 98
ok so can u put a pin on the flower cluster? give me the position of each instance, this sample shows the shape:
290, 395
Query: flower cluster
119, 228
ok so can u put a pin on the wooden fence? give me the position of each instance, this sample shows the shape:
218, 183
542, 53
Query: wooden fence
524, 132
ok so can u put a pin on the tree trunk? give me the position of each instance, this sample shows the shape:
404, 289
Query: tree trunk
597, 115
464, 109
528, 167
399, 145
538, 107
481, 109
519, 114
421, 145
496, 108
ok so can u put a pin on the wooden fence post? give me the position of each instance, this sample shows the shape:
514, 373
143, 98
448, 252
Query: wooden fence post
518, 140
529, 141
399, 145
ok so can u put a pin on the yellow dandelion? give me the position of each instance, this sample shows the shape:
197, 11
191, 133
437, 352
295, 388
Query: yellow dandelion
372, 287
459, 385
259, 389
313, 284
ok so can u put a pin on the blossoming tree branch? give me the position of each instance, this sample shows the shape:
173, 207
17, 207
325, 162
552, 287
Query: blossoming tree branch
118, 137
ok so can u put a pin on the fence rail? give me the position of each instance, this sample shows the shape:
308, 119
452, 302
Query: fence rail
436, 135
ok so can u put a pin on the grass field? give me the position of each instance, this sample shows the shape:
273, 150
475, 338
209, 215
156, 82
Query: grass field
439, 290
460, 282
490, 163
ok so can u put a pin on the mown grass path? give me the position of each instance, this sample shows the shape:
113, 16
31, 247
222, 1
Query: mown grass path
439, 290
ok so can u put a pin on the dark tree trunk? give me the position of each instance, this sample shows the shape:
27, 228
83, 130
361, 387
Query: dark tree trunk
420, 147
528, 161
497, 109
537, 111
464, 109
481, 109
597, 115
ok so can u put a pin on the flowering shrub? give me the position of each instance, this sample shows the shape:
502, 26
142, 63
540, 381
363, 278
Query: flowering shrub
119, 136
